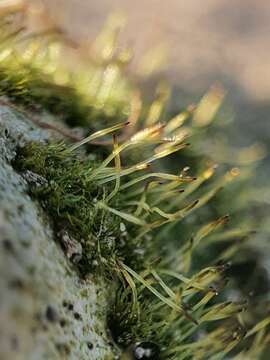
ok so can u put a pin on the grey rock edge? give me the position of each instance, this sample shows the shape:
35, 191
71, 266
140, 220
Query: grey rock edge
46, 310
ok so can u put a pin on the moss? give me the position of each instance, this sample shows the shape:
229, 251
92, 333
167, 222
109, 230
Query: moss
70, 200
72, 191
37, 92
36, 278
139, 226
33, 75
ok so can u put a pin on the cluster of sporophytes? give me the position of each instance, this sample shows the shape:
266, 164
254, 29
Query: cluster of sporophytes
118, 212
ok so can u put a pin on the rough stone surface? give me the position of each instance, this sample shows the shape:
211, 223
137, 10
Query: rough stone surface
46, 310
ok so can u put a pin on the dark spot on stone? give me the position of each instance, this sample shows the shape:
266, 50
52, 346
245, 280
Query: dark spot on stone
20, 208
44, 327
63, 348
70, 307
26, 244
8, 246
14, 343
90, 346
77, 316
51, 314
6, 132
16, 284
63, 322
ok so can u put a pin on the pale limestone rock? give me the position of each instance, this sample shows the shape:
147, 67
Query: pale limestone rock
46, 310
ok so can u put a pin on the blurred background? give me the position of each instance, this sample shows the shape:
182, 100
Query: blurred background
193, 45
204, 41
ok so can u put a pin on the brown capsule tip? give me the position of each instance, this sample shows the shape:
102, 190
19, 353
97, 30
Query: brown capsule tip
222, 268
127, 123
162, 125
190, 317
225, 218
186, 306
191, 107
213, 290
146, 186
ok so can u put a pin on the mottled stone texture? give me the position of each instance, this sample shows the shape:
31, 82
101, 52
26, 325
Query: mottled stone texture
46, 310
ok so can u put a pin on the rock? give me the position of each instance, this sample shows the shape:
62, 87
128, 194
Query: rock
46, 310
